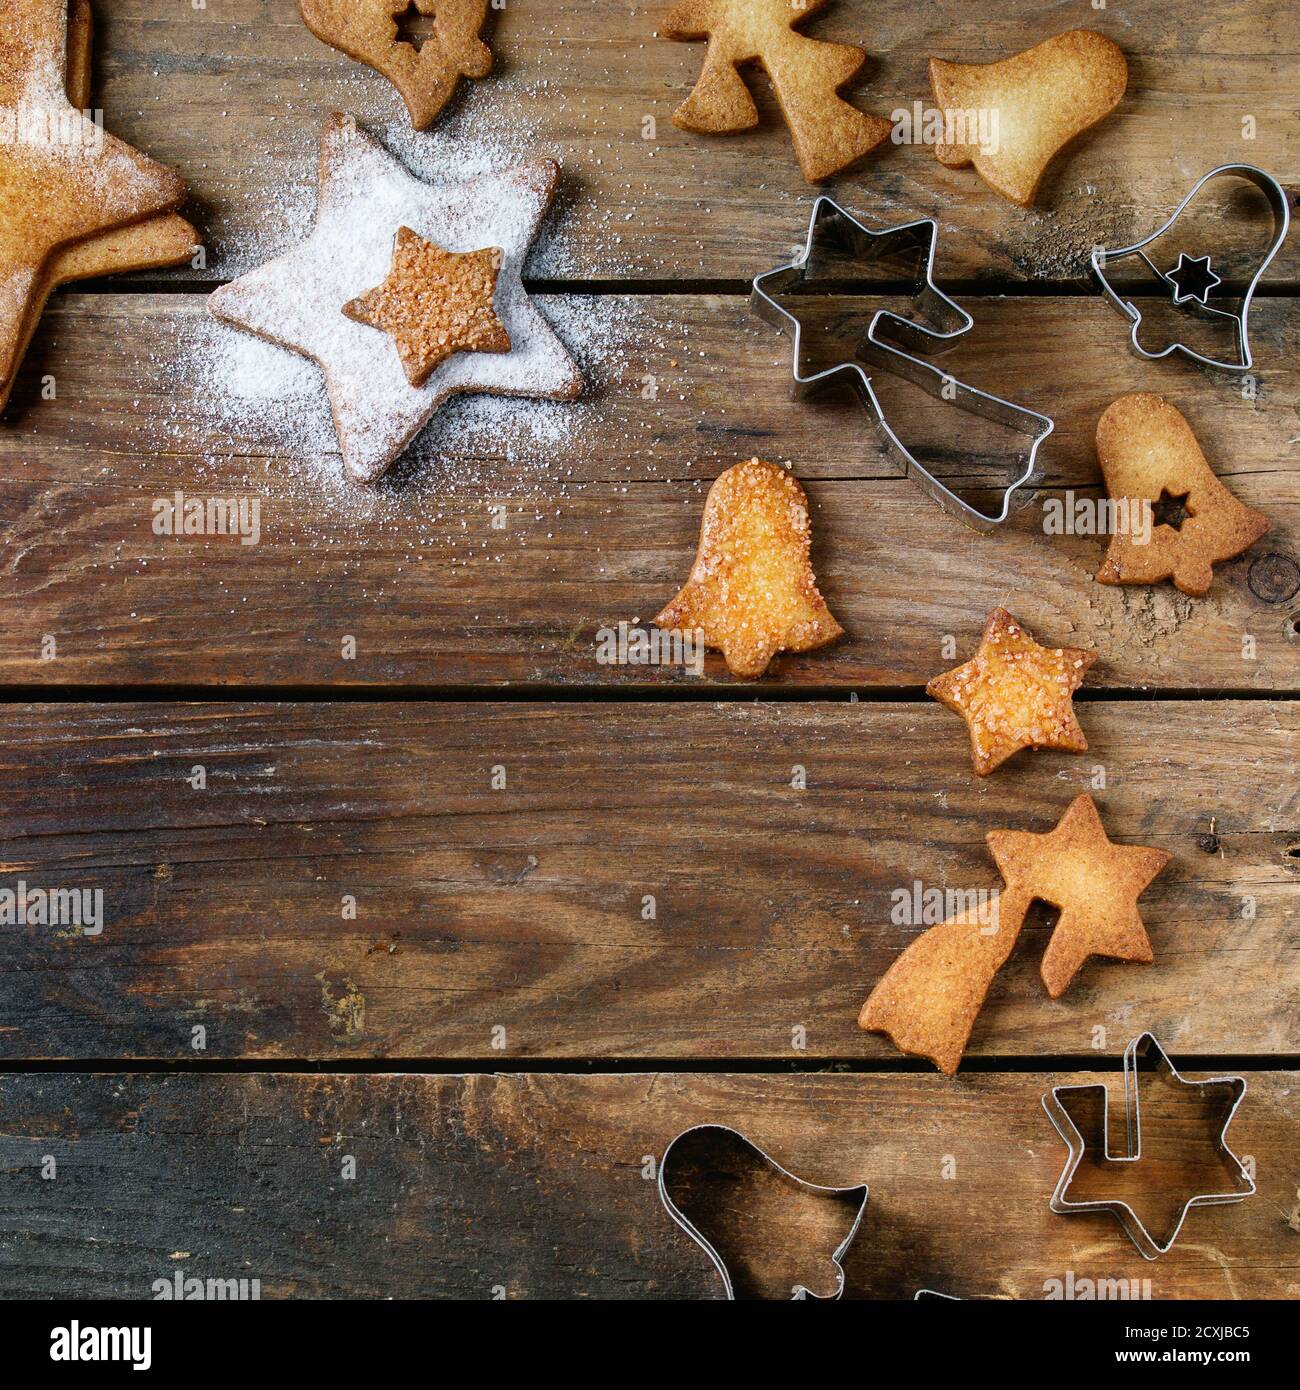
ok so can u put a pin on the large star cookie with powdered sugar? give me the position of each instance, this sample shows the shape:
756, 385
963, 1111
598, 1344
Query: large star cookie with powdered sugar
366, 196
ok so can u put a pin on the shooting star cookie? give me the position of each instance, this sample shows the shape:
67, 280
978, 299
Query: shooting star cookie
301, 300
929, 998
806, 75
1150, 459
427, 75
1014, 694
1041, 98
752, 591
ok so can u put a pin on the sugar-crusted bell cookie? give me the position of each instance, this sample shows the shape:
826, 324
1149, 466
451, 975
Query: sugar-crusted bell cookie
752, 591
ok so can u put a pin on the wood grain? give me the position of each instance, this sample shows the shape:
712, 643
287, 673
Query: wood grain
517, 922
234, 94
599, 506
541, 1186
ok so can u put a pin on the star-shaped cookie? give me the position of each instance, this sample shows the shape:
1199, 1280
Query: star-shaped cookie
1095, 884
298, 300
434, 304
1014, 694
62, 178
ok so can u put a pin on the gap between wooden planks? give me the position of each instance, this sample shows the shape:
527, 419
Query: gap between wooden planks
641, 881
234, 96
599, 506
542, 1186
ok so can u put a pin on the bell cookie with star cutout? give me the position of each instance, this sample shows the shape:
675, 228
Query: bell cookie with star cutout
1152, 463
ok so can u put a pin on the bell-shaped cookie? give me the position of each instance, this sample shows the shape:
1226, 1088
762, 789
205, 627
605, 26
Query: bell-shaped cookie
1010, 119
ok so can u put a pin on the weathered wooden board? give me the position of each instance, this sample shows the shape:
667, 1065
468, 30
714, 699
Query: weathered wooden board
542, 1186
598, 506
233, 94
646, 883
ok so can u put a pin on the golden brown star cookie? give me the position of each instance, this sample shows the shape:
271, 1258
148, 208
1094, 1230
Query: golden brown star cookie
1094, 883
1014, 694
1041, 100
165, 240
427, 76
434, 304
806, 75
1148, 453
752, 591
62, 179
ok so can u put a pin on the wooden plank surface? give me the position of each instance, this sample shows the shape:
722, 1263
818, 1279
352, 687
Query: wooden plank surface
540, 1186
599, 507
512, 923
234, 95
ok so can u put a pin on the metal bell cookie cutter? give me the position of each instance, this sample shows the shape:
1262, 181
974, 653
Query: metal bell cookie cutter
1192, 281
1148, 1246
831, 223
795, 1182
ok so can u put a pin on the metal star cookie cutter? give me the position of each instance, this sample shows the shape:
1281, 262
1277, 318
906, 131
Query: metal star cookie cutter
792, 1179
950, 322
1196, 301
1148, 1246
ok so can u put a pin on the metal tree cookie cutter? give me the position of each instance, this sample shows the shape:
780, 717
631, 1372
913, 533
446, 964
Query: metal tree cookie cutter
1136, 1052
833, 224
797, 1183
1191, 281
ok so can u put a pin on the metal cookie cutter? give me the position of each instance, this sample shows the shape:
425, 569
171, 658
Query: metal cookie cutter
830, 223
1192, 281
797, 1183
1138, 1233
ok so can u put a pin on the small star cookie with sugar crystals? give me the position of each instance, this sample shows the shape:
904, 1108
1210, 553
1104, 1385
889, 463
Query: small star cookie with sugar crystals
1014, 694
434, 304
752, 592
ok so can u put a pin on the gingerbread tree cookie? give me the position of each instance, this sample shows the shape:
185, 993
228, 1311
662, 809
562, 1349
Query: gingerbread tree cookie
1014, 694
752, 591
1150, 456
427, 76
806, 75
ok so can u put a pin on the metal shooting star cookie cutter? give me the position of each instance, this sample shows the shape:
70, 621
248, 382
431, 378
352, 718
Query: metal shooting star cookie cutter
1191, 281
1137, 1051
673, 1210
832, 223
